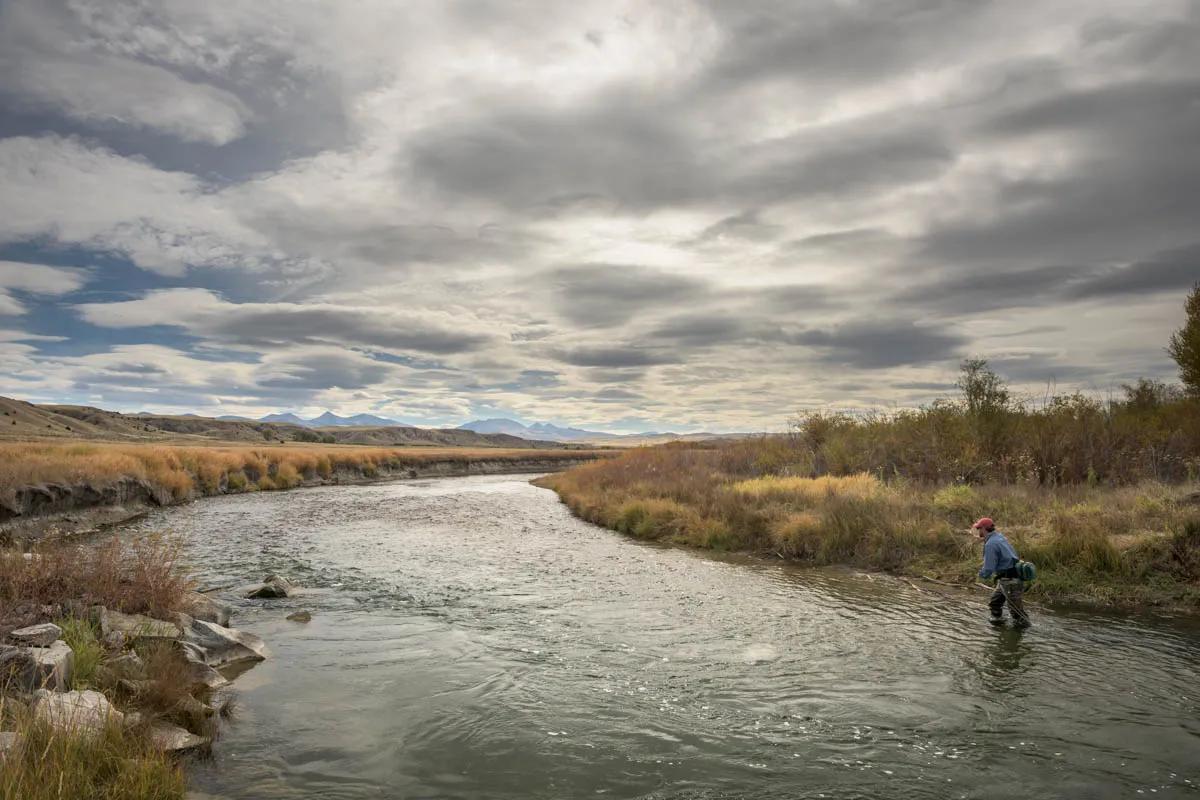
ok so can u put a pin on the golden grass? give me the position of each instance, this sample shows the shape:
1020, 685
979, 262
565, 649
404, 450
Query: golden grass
787, 488
1136, 544
176, 473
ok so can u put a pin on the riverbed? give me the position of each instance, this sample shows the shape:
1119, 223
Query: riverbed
471, 639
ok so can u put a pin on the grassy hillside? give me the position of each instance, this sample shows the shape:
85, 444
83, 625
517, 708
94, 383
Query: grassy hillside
21, 421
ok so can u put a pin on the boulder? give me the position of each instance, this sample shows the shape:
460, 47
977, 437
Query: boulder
300, 616
272, 586
86, 711
42, 635
18, 668
209, 609
201, 673
173, 739
134, 626
222, 645
8, 743
190, 705
55, 665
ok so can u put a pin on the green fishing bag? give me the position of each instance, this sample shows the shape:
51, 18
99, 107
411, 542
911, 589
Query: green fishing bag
1026, 570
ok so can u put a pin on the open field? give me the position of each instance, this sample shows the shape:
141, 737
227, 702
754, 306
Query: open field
42, 478
1134, 545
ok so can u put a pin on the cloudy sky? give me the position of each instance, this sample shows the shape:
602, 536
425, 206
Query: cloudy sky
628, 215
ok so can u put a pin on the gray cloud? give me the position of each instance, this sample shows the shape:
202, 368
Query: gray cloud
878, 345
613, 294
1175, 270
615, 356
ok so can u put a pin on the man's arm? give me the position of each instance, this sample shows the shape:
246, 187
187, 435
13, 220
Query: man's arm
991, 556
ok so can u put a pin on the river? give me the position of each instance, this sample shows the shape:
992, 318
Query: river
471, 639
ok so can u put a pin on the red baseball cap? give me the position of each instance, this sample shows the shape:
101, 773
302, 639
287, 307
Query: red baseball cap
984, 523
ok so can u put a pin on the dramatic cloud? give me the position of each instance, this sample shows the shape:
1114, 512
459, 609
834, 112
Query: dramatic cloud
258, 325
690, 214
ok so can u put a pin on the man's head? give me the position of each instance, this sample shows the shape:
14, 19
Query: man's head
983, 527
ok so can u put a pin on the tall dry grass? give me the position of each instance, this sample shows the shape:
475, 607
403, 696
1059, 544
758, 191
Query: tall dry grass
175, 473
136, 577
1137, 542
112, 764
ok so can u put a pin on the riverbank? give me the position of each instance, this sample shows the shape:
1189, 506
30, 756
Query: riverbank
112, 669
1129, 547
51, 487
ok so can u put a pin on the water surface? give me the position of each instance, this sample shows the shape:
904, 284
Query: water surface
471, 639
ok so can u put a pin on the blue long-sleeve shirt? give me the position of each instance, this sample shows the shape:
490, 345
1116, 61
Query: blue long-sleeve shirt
998, 555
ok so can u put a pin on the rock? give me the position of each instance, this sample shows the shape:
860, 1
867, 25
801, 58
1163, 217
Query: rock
190, 705
172, 738
202, 674
272, 586
42, 635
114, 640
201, 606
300, 616
18, 668
222, 645
81, 711
135, 626
127, 664
55, 665
135, 687
8, 743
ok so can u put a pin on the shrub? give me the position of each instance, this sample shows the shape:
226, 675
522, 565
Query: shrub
135, 577
960, 503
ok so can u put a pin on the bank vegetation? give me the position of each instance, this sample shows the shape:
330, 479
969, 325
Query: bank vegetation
148, 683
1101, 494
40, 478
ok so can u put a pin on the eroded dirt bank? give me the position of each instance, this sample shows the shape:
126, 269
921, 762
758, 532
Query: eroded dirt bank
46, 509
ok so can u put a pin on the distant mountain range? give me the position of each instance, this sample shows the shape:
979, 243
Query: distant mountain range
538, 430
327, 420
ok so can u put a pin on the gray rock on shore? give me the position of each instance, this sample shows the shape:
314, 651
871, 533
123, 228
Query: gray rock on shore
220, 645
173, 739
209, 609
201, 673
133, 627
42, 635
85, 711
55, 666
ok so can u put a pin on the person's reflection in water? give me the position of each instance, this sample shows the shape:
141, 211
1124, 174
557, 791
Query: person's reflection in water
1002, 671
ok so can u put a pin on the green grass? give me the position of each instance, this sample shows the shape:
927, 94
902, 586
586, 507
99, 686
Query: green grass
80, 635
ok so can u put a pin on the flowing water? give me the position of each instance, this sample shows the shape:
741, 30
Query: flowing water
470, 639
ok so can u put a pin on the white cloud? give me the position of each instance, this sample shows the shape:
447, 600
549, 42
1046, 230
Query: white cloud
34, 279
40, 278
